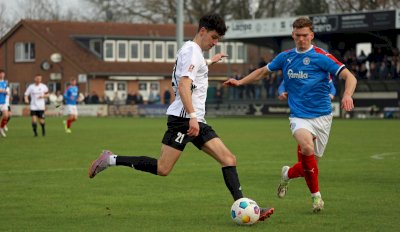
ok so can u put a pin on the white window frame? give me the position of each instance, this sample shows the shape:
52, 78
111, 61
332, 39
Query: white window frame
125, 43
173, 58
112, 43
19, 52
150, 43
237, 50
162, 44
137, 43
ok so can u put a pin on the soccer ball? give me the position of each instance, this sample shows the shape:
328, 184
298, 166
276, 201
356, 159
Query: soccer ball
245, 211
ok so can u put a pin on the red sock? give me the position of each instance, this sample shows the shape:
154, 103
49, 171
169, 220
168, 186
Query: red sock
69, 122
310, 172
3, 123
299, 154
296, 170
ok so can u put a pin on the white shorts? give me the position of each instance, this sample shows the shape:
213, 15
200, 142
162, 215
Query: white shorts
319, 128
3, 107
71, 110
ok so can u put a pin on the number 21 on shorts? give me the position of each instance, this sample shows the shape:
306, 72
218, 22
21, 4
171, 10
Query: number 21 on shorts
179, 137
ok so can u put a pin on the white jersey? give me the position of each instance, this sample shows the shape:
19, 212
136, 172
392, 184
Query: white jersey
36, 92
190, 62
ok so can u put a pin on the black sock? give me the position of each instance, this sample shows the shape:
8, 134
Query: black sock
43, 129
142, 163
232, 181
34, 127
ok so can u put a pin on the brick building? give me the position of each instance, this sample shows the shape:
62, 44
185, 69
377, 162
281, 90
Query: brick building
109, 59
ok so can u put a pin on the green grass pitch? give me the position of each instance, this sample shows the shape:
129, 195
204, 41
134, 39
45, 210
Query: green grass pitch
44, 184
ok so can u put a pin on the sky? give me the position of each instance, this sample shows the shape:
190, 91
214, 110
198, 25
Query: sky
12, 6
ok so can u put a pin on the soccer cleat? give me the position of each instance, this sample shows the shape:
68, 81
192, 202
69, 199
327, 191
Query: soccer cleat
317, 204
2, 132
265, 213
68, 131
99, 164
5, 128
283, 186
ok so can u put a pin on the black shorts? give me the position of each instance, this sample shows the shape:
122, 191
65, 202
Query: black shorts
38, 113
176, 137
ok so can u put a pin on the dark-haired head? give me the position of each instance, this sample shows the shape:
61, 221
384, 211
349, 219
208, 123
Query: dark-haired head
213, 21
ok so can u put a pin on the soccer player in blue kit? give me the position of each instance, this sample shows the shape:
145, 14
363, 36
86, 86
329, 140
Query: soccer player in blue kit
71, 96
306, 72
3, 103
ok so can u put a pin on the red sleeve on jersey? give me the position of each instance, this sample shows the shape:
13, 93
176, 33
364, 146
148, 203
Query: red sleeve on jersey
321, 51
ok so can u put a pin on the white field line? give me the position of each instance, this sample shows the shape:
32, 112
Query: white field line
381, 156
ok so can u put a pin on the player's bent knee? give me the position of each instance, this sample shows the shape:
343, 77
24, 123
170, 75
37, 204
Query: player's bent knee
229, 160
307, 149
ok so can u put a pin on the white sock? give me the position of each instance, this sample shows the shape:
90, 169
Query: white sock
317, 194
112, 160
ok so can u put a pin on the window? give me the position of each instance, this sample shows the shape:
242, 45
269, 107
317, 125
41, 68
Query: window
240, 53
218, 48
95, 46
231, 53
24, 52
109, 50
122, 50
134, 51
159, 53
14, 91
54, 86
147, 51
171, 51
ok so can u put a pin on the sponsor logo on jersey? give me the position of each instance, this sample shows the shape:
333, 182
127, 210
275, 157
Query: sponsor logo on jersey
191, 67
299, 75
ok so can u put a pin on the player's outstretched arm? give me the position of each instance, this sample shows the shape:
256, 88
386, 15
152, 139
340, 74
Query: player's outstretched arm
216, 58
256, 75
350, 86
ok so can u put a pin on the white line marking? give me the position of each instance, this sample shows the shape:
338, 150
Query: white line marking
381, 156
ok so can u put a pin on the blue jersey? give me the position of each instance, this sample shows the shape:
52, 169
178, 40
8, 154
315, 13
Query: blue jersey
306, 76
3, 95
332, 89
71, 95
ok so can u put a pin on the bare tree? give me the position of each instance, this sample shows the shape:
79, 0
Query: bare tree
5, 23
362, 5
39, 9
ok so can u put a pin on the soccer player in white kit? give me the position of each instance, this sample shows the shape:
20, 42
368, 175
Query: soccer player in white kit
306, 72
186, 122
37, 93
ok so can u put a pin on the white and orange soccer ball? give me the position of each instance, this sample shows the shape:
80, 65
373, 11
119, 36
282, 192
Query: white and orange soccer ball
245, 211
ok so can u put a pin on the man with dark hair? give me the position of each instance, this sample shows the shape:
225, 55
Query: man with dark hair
37, 93
186, 122
306, 75
71, 96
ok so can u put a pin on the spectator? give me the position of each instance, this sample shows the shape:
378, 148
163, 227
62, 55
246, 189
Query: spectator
167, 96
15, 97
94, 98
131, 98
363, 71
